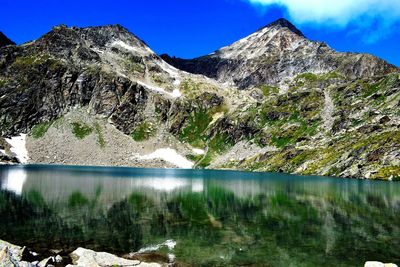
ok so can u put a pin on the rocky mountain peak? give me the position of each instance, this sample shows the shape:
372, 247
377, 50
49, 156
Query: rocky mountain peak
4, 40
276, 54
283, 23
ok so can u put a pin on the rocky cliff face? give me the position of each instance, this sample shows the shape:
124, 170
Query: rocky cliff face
306, 108
274, 55
4, 40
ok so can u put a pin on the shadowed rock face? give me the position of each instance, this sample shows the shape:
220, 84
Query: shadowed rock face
4, 40
95, 67
275, 53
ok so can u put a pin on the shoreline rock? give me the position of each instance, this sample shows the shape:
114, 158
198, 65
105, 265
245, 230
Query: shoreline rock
12, 255
379, 264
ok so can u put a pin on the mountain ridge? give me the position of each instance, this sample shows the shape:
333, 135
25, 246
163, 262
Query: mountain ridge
282, 22
4, 40
276, 52
307, 111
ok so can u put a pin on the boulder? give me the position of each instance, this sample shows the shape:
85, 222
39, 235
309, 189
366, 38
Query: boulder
5, 258
87, 257
10, 251
379, 264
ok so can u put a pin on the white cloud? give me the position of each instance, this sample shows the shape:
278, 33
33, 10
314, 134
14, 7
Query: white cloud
363, 14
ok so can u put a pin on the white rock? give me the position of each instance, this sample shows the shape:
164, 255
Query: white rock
87, 257
374, 264
379, 264
58, 259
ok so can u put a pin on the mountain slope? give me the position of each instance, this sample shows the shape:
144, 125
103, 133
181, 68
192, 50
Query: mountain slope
276, 53
101, 96
4, 40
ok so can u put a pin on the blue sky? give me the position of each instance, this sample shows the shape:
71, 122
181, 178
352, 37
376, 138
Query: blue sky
190, 28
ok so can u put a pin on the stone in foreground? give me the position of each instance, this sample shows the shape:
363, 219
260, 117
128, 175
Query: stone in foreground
87, 257
379, 264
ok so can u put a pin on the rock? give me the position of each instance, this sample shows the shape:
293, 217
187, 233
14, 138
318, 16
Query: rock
27, 255
378, 264
47, 262
56, 251
4, 40
58, 259
26, 264
87, 257
269, 56
14, 252
374, 264
5, 257
50, 261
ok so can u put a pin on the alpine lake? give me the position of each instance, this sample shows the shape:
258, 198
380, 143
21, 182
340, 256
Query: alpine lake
202, 217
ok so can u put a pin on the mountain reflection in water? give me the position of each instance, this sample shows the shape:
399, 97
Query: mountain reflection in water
215, 217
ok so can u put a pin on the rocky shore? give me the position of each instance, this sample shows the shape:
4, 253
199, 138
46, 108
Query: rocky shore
13, 255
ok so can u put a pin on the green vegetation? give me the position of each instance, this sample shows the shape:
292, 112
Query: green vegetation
77, 199
268, 90
3, 81
40, 129
308, 77
32, 61
100, 136
194, 129
143, 131
159, 79
217, 145
189, 88
193, 89
389, 172
133, 64
81, 130
135, 67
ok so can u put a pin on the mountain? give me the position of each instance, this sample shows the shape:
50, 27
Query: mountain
4, 40
274, 55
101, 96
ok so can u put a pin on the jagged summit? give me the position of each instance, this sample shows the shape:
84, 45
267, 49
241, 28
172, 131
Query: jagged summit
274, 55
4, 40
283, 23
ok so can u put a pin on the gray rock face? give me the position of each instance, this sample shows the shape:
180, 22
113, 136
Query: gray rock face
70, 67
275, 53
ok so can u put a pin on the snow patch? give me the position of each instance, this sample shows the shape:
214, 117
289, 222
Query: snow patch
131, 48
198, 151
169, 155
175, 93
18, 147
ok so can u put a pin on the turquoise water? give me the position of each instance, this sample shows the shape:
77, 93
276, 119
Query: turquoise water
215, 218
